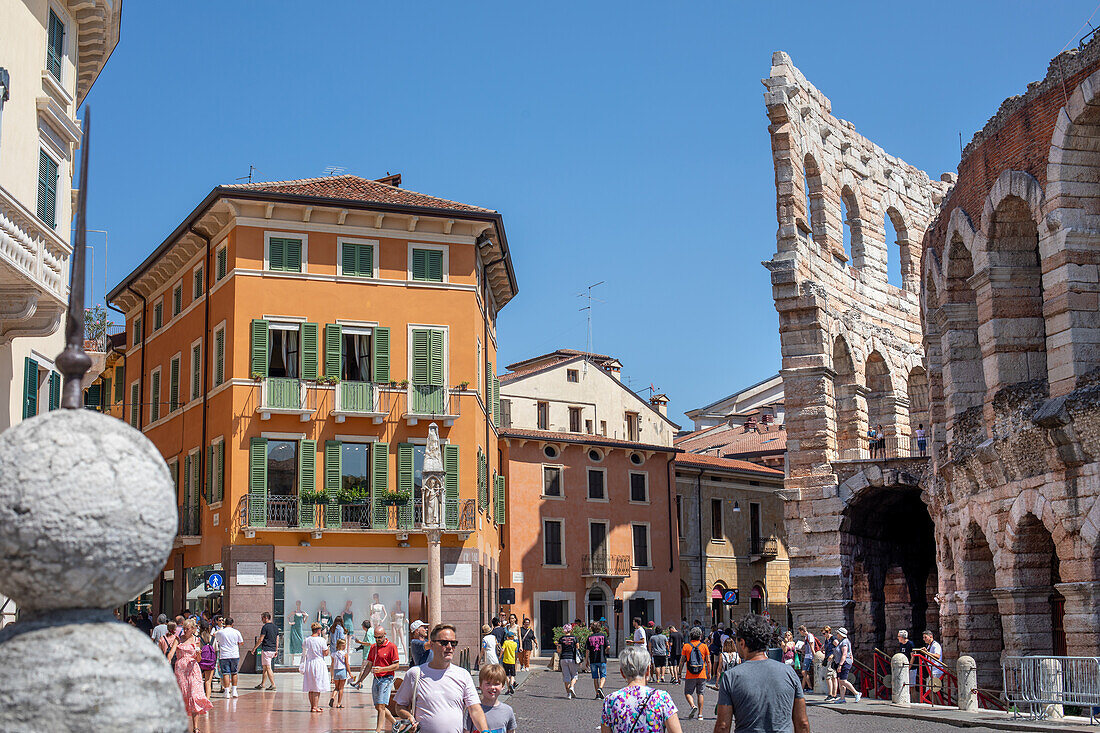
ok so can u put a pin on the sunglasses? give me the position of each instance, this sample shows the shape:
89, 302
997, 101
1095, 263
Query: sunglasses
446, 642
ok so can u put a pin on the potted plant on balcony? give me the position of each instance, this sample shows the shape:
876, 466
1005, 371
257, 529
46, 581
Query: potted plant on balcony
395, 498
257, 377
331, 379
404, 383
353, 495
313, 497
463, 385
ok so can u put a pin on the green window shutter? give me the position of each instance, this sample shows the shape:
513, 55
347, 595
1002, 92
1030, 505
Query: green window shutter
120, 382
92, 396
436, 365
174, 386
349, 259
309, 351
174, 469
257, 482
105, 395
55, 45
196, 371
498, 513
158, 316
55, 390
365, 260
496, 402
177, 300
137, 331
135, 406
208, 490
482, 480
435, 265
421, 356
219, 493
307, 479
334, 340
219, 357
293, 248
155, 394
223, 262
259, 347
276, 254
47, 189
405, 462
196, 292
333, 478
185, 499
380, 484
489, 388
419, 264
381, 337
450, 485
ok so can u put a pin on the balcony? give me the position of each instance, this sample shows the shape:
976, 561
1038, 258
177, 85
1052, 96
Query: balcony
605, 566
892, 446
190, 525
358, 399
285, 396
435, 403
34, 272
285, 512
764, 548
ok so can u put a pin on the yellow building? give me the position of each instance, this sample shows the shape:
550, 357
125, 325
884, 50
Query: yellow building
290, 343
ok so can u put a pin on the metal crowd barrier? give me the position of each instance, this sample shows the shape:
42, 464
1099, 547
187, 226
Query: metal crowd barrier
1038, 682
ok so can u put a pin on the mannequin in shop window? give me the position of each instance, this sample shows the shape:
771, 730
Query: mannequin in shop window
295, 619
348, 620
323, 615
378, 614
397, 630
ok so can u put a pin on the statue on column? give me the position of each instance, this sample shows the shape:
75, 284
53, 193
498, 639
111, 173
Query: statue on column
432, 480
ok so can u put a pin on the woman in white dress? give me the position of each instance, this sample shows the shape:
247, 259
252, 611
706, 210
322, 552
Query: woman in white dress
314, 668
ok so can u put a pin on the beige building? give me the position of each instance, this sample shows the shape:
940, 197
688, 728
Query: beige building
732, 511
50, 53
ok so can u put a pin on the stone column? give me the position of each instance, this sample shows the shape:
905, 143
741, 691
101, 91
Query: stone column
1050, 686
899, 680
821, 687
435, 578
1082, 617
980, 634
1025, 619
967, 671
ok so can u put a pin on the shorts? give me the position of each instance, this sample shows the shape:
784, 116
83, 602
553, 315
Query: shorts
380, 690
674, 661
268, 658
830, 673
340, 674
842, 673
228, 666
695, 686
509, 669
808, 667
599, 670
568, 671
660, 661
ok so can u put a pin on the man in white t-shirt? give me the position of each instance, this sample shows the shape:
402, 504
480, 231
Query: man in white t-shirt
639, 634
443, 692
161, 628
934, 651
229, 641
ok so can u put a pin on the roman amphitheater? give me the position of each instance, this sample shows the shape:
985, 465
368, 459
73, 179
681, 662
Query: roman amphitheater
990, 341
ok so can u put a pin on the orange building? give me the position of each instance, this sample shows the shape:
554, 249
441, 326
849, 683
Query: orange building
592, 518
290, 344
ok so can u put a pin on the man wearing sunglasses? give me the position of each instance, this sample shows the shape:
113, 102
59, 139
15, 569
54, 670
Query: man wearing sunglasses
442, 692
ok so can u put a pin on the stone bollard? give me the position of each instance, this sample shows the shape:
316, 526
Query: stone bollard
1050, 687
967, 670
87, 520
821, 687
899, 680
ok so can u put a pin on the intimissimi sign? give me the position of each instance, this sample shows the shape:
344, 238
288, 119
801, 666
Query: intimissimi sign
345, 578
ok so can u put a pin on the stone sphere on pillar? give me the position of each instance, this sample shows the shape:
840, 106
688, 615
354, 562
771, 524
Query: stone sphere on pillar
87, 512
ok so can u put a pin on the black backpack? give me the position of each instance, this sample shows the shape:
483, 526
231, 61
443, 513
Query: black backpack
695, 659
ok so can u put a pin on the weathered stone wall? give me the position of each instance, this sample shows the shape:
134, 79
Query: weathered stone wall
851, 342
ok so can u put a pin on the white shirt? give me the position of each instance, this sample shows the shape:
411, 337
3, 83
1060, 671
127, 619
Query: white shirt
159, 630
229, 641
639, 636
935, 649
441, 699
489, 650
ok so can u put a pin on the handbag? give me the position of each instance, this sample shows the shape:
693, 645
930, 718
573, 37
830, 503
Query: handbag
402, 725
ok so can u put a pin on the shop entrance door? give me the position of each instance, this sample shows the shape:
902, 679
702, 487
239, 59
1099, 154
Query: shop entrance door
551, 615
640, 608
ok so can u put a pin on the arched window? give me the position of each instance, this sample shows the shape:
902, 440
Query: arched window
963, 377
846, 396
901, 270
853, 228
916, 387
880, 392
815, 200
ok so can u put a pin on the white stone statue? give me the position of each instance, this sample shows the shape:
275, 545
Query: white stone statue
432, 486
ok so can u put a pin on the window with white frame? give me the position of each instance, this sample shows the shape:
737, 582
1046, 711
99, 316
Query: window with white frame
154, 395
552, 542
597, 484
196, 283
285, 252
428, 263
221, 262
551, 481
356, 354
219, 355
47, 188
283, 346
196, 370
639, 487
640, 533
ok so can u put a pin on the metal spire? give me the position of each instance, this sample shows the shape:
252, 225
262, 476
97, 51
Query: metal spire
73, 362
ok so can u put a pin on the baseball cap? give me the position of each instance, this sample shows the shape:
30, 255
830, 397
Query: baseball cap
416, 625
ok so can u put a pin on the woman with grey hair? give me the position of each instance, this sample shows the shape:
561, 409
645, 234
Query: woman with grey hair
638, 708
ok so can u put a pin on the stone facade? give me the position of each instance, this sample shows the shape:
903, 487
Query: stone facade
993, 539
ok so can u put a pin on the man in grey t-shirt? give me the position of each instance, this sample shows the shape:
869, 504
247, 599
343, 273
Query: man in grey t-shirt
658, 649
762, 695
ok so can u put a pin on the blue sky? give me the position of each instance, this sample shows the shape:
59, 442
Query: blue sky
622, 142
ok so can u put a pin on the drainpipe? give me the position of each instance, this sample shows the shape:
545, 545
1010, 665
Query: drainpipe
702, 562
141, 376
203, 452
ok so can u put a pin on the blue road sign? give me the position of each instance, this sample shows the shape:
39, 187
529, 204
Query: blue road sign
730, 598
214, 581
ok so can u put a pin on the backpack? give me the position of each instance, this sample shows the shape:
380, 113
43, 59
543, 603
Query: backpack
695, 659
208, 657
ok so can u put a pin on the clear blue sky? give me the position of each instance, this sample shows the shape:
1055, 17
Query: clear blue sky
623, 142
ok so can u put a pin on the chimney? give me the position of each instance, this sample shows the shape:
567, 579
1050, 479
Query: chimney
660, 401
390, 180
614, 368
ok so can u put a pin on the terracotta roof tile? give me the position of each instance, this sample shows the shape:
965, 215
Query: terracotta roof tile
355, 188
552, 436
694, 459
735, 441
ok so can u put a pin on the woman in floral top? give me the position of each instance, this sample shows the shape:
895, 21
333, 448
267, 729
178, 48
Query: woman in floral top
638, 708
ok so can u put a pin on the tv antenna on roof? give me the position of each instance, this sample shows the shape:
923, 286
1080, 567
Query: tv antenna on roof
588, 349
251, 170
334, 170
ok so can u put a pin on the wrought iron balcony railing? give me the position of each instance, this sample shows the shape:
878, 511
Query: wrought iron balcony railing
606, 566
765, 547
190, 521
287, 512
